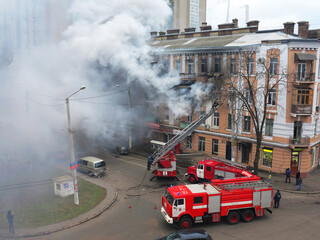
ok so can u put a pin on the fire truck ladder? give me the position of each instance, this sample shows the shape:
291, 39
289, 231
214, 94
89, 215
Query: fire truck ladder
157, 155
230, 163
254, 185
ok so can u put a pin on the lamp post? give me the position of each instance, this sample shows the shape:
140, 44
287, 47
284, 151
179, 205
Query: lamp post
74, 173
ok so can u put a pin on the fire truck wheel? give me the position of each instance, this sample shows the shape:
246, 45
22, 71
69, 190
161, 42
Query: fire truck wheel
192, 179
185, 222
233, 217
247, 215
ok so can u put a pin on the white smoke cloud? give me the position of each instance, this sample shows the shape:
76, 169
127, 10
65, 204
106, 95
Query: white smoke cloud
104, 46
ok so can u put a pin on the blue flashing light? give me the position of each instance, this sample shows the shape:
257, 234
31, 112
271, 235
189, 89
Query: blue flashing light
171, 185
178, 194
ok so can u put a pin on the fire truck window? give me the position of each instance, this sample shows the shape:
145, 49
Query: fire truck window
208, 168
197, 200
180, 201
200, 166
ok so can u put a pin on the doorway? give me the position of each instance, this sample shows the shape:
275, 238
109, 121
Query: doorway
295, 161
228, 150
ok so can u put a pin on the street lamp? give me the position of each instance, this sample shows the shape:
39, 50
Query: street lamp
74, 173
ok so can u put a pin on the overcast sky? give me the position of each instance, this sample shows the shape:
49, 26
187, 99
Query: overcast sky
271, 14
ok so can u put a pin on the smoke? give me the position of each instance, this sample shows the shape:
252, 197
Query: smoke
103, 47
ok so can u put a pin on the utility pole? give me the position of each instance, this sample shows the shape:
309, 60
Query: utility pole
130, 130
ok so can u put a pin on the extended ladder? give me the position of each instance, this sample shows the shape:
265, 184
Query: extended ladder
183, 134
230, 163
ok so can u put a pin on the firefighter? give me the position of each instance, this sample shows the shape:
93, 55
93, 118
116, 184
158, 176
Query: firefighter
150, 160
277, 198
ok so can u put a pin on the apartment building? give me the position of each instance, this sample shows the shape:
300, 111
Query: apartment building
291, 134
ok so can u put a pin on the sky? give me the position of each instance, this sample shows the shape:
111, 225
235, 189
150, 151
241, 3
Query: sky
271, 14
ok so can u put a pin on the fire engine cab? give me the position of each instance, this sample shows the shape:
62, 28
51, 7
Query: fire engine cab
216, 168
185, 205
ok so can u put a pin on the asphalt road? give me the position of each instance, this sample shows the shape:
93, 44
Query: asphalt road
297, 218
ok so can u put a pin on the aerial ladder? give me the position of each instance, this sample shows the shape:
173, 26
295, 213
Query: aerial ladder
164, 158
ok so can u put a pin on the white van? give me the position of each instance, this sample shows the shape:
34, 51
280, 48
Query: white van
92, 166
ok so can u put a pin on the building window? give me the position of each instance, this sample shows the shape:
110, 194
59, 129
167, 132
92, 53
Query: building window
204, 65
302, 67
178, 66
273, 69
303, 96
248, 95
202, 144
269, 127
189, 118
166, 114
215, 146
189, 142
233, 66
229, 124
267, 154
190, 66
246, 123
217, 65
272, 93
58, 186
215, 119
250, 66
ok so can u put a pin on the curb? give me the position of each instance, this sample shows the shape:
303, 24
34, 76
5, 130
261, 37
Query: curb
299, 192
66, 227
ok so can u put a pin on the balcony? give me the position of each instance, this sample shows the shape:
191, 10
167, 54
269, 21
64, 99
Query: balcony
301, 109
306, 78
188, 76
299, 142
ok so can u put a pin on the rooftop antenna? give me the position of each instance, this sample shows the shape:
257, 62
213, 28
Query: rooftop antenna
247, 13
228, 11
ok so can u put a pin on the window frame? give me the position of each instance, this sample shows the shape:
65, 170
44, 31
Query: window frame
272, 96
201, 144
246, 123
273, 67
204, 65
216, 119
190, 66
178, 63
269, 127
215, 146
233, 65
217, 65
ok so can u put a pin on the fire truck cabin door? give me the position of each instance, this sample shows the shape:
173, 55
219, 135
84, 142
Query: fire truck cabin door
200, 171
178, 207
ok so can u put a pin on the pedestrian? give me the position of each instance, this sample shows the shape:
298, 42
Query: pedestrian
297, 177
277, 198
150, 160
299, 183
270, 176
10, 221
288, 173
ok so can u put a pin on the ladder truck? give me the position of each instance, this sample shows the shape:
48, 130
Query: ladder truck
164, 158
232, 199
214, 168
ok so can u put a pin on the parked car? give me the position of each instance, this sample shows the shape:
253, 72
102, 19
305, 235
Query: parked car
187, 234
124, 150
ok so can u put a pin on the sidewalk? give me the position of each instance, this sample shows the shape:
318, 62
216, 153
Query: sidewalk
111, 196
310, 184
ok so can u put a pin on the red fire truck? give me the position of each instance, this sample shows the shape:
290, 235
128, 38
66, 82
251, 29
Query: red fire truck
233, 199
217, 168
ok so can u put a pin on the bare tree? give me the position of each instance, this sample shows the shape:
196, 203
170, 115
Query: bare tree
254, 85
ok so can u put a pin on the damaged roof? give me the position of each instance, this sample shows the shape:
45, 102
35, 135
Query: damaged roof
236, 40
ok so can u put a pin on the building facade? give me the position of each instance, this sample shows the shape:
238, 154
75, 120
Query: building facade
291, 134
188, 13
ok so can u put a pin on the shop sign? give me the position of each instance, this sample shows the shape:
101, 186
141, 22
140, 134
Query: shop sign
153, 125
297, 149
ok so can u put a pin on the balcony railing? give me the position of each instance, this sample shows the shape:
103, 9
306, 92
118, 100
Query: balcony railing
299, 141
301, 109
304, 78
188, 76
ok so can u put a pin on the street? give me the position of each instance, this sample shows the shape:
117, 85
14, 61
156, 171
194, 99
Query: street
296, 218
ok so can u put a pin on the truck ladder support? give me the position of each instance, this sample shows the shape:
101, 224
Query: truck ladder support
183, 134
254, 185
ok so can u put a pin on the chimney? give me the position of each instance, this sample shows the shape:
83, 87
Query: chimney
288, 28
253, 23
225, 26
153, 34
235, 22
190, 29
173, 31
303, 29
205, 27
162, 33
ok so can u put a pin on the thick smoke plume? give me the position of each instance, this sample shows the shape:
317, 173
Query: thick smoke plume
103, 47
